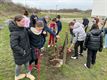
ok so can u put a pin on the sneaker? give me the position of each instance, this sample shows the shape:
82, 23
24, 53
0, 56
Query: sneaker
36, 67
31, 77
80, 54
21, 76
74, 57
43, 49
85, 65
49, 46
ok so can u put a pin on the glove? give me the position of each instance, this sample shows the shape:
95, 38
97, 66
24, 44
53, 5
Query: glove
100, 50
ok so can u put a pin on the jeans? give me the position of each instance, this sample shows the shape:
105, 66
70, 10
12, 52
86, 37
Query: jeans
18, 68
105, 40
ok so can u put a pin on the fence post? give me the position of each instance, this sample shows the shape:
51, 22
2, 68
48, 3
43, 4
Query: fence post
65, 49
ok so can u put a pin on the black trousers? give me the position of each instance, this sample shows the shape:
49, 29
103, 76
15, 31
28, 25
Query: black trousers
77, 44
91, 57
31, 61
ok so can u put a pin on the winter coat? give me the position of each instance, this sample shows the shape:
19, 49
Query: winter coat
59, 26
105, 30
36, 41
94, 40
79, 32
27, 22
19, 42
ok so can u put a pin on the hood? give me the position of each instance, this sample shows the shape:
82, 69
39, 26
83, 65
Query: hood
77, 25
33, 30
14, 27
96, 32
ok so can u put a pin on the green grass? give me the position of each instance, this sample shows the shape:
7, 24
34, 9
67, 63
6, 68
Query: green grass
73, 70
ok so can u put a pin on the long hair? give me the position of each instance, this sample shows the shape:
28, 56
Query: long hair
94, 26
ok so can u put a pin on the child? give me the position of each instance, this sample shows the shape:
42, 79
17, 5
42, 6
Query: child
33, 19
20, 46
27, 20
53, 28
105, 34
59, 24
71, 32
79, 37
93, 42
85, 23
36, 41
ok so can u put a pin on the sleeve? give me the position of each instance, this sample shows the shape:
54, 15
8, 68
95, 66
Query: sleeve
86, 40
50, 31
101, 41
75, 37
61, 25
14, 41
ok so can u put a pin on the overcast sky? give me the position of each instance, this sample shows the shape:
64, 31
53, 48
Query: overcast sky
51, 4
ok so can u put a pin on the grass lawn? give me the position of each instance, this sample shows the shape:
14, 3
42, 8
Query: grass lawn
73, 70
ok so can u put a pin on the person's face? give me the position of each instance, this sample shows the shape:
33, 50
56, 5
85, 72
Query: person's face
39, 29
71, 26
47, 19
21, 23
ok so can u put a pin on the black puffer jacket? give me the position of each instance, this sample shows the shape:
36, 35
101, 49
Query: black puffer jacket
19, 42
94, 40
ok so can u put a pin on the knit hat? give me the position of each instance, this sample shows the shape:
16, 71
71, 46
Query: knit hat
39, 23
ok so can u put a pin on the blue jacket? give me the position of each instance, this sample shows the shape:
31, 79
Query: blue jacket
105, 30
59, 25
36, 41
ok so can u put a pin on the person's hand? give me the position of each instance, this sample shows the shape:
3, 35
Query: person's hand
100, 50
69, 49
44, 32
84, 48
57, 36
72, 45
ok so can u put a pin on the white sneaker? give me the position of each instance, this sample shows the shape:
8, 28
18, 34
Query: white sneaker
21, 76
73, 57
85, 65
81, 54
48, 46
31, 77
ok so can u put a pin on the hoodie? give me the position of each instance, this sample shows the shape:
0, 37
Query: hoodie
79, 32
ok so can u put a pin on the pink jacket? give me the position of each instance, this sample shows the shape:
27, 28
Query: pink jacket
27, 22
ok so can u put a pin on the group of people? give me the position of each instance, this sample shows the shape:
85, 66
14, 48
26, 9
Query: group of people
28, 36
27, 39
91, 40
